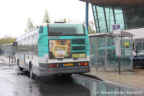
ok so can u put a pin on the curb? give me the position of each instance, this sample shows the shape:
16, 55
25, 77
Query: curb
96, 78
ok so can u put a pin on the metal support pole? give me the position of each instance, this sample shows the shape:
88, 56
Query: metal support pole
87, 14
96, 53
105, 66
131, 51
9, 60
114, 15
119, 58
119, 65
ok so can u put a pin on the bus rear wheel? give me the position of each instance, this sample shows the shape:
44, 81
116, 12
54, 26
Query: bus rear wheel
31, 74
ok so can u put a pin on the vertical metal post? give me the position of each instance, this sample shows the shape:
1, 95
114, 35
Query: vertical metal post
9, 60
105, 19
96, 52
119, 58
119, 65
106, 40
87, 14
94, 16
131, 51
99, 31
124, 18
114, 15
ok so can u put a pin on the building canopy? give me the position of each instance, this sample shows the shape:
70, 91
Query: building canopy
111, 34
116, 2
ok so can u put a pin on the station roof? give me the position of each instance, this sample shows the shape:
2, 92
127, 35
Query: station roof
111, 34
116, 2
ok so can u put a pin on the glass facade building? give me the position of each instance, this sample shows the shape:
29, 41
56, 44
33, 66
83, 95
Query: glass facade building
127, 17
134, 17
129, 14
103, 49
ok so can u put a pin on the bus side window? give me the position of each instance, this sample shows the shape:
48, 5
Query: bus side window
41, 29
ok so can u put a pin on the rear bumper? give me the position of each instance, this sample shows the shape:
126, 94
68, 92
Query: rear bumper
63, 70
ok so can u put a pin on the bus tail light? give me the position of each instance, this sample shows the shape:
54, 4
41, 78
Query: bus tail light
83, 64
53, 66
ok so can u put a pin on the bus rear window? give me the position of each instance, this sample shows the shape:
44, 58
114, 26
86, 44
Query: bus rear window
65, 29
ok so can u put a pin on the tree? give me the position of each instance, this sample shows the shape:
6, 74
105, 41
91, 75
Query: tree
46, 17
65, 21
7, 40
91, 27
29, 25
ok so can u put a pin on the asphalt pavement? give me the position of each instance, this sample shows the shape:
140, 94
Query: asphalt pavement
16, 83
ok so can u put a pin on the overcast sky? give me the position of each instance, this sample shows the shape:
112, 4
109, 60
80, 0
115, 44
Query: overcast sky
14, 13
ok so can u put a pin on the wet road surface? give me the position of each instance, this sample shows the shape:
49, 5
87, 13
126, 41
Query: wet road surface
16, 83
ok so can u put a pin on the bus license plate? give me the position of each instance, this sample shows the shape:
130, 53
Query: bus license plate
78, 55
68, 64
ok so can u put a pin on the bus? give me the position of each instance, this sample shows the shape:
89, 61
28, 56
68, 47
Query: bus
56, 48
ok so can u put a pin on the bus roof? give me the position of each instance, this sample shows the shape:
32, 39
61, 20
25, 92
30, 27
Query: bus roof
28, 33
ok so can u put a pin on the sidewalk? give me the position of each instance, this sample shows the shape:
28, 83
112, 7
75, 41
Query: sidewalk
133, 79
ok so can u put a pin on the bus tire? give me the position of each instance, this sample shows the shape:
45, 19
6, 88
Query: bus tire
67, 75
20, 68
31, 74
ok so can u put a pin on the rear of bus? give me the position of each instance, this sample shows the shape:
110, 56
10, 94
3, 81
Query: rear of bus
63, 49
